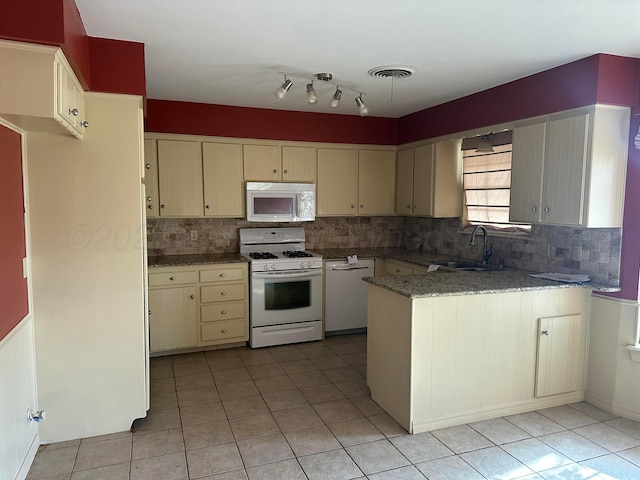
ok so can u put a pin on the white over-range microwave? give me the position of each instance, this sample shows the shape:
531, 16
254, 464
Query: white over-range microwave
281, 202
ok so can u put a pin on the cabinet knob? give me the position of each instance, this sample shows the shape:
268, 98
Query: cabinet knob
547, 209
223, 312
408, 205
361, 205
149, 312
224, 330
74, 112
163, 206
222, 275
207, 207
285, 171
147, 166
275, 171
150, 207
534, 209
353, 206
84, 123
223, 293
172, 278
413, 206
148, 198
192, 297
545, 332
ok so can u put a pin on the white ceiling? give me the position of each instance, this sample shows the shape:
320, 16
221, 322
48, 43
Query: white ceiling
229, 51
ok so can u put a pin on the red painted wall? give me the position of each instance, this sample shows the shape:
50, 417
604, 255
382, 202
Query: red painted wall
76, 44
13, 287
117, 66
165, 116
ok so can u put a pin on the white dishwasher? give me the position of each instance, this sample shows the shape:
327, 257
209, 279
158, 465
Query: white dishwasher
345, 300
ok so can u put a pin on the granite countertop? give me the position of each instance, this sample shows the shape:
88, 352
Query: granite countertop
204, 259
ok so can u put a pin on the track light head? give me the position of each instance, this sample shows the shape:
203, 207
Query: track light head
364, 111
311, 94
282, 90
335, 100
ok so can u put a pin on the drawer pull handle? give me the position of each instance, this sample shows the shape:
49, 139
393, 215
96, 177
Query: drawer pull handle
172, 278
222, 275
223, 312
192, 297
224, 330
223, 293
545, 332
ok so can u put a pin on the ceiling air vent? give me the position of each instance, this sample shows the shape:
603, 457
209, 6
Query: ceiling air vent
392, 71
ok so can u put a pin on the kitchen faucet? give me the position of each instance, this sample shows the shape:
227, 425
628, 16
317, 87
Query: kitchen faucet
486, 254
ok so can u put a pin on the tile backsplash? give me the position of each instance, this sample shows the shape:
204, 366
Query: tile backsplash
593, 252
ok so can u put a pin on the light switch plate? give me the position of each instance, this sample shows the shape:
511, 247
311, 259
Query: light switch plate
194, 235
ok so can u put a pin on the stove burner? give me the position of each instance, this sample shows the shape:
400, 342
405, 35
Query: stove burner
262, 255
296, 254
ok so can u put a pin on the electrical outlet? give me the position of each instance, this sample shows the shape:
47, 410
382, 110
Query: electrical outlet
194, 235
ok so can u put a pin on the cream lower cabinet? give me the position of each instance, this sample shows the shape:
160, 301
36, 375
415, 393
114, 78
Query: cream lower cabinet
172, 309
398, 267
570, 169
459, 359
429, 180
198, 306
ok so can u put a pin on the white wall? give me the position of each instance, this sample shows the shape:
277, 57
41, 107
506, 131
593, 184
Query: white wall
18, 438
613, 381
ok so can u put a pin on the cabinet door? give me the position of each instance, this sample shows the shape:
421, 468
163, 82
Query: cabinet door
172, 319
151, 177
180, 178
558, 350
563, 185
261, 163
527, 157
404, 182
376, 182
423, 180
447, 179
299, 164
337, 176
70, 99
223, 180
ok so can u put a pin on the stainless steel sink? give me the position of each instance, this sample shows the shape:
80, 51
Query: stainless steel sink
471, 267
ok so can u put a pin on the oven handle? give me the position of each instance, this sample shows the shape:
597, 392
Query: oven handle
288, 273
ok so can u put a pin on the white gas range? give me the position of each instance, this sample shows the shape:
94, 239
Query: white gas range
286, 286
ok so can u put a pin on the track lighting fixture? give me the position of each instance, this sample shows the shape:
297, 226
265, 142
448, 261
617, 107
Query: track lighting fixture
484, 145
312, 97
282, 90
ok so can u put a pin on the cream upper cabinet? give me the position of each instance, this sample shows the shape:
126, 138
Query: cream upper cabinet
558, 354
429, 182
376, 182
571, 170
70, 96
337, 180
223, 180
262, 163
151, 178
180, 178
298, 164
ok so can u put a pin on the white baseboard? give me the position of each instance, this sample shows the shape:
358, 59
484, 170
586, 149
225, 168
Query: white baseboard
28, 459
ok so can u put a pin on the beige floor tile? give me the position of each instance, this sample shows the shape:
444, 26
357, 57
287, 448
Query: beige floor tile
253, 426
238, 390
567, 417
367, 406
119, 471
361, 369
160, 385
297, 418
52, 446
50, 462
352, 359
213, 460
298, 366
312, 440
403, 473
593, 412
536, 455
284, 399
166, 467
607, 437
221, 353
274, 384
232, 375
630, 427
160, 420
535, 424
449, 468
284, 470
165, 371
197, 396
100, 454
193, 357
337, 411
420, 447
194, 381
234, 475
203, 413
154, 444
326, 363
318, 351
322, 393
335, 464
387, 425
499, 431
109, 436
574, 446
196, 368
207, 434
255, 357
242, 407
377, 456
342, 374
228, 363
355, 431
461, 438
309, 379
354, 388
163, 361
344, 349
164, 400
265, 371
262, 450
288, 354
496, 463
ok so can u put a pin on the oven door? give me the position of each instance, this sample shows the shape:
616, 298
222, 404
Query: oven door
289, 296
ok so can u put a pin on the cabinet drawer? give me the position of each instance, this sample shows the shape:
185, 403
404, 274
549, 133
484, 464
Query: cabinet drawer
172, 278
222, 330
222, 274
221, 293
222, 311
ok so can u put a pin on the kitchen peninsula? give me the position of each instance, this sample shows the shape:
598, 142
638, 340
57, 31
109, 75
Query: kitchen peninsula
447, 348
